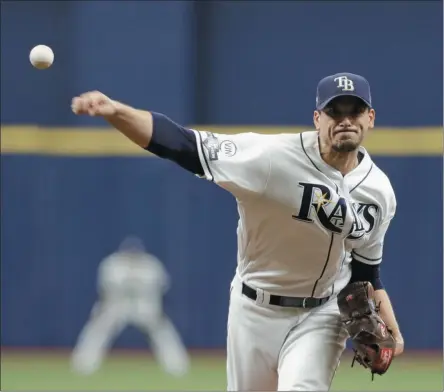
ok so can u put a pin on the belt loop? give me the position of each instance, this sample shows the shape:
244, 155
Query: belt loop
304, 303
260, 296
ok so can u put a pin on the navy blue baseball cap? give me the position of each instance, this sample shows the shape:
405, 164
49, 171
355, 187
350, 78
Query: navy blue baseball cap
342, 84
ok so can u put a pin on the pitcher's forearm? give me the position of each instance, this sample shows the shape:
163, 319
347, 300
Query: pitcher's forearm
135, 124
152, 131
387, 313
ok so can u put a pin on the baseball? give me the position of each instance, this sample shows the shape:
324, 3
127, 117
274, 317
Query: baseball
41, 56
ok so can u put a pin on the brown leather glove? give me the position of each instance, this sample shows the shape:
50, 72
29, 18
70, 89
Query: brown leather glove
373, 342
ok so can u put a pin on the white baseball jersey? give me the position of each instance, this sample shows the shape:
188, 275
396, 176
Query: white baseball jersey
129, 278
300, 220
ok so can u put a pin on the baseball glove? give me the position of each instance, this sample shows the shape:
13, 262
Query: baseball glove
373, 343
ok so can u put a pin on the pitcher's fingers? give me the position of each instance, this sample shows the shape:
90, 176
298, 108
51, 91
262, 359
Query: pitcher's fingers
77, 105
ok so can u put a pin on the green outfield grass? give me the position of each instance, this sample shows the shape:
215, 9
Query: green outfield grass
130, 372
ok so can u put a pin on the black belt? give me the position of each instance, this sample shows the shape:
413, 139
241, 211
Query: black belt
288, 302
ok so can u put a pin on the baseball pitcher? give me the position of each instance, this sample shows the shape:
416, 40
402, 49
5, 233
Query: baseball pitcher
314, 210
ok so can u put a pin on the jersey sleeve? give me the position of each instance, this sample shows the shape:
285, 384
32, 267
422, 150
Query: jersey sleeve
371, 253
161, 274
105, 275
238, 163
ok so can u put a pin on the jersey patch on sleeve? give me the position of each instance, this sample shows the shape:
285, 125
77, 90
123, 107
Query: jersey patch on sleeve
211, 143
217, 147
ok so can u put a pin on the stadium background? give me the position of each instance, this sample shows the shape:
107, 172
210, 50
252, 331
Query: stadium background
72, 188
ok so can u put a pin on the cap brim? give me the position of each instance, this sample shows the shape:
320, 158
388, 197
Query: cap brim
325, 103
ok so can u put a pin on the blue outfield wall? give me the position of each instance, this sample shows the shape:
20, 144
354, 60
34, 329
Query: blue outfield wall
61, 215
221, 62
71, 193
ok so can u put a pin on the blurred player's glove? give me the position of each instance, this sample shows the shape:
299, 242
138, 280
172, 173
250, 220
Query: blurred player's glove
373, 343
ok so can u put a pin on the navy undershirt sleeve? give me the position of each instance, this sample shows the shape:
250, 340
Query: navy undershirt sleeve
173, 142
362, 272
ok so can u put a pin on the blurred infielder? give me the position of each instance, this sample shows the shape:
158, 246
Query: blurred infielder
131, 285
313, 213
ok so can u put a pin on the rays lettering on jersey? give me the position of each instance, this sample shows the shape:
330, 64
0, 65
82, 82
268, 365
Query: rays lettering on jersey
357, 230
368, 213
330, 209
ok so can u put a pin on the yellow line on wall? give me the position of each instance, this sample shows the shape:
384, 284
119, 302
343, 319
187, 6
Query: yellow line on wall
108, 142
69, 142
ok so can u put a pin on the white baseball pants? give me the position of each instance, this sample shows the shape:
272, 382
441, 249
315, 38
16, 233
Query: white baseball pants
108, 320
270, 348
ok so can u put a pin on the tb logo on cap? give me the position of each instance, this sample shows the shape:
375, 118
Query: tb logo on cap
345, 83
